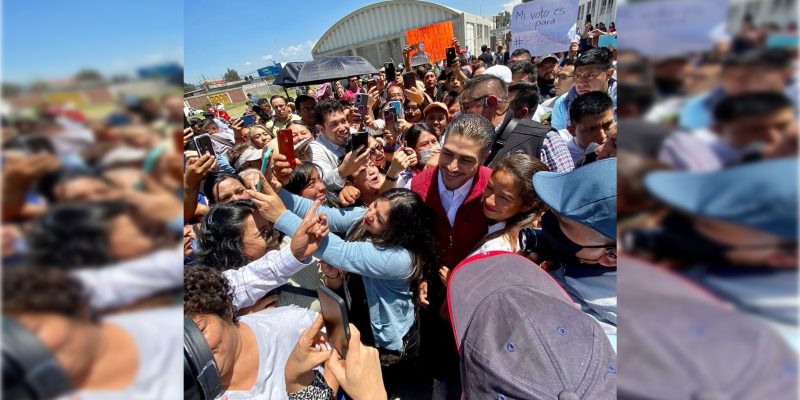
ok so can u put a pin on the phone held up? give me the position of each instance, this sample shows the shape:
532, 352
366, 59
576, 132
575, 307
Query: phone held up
390, 72
410, 80
451, 56
286, 146
203, 144
337, 324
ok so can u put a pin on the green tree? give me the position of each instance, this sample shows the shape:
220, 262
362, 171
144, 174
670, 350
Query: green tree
11, 90
231, 76
503, 19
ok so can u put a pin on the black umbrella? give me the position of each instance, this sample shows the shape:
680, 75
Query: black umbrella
288, 75
328, 68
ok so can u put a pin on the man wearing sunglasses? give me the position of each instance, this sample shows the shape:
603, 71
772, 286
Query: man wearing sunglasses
594, 71
578, 235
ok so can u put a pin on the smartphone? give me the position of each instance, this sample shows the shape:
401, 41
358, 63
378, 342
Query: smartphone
248, 120
607, 41
334, 313
358, 139
302, 145
361, 104
264, 166
371, 83
410, 80
451, 56
390, 71
398, 107
203, 144
390, 116
286, 146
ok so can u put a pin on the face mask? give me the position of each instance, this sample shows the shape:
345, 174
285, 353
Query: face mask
426, 154
559, 247
676, 239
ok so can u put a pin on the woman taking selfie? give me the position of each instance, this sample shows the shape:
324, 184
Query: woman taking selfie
388, 245
511, 202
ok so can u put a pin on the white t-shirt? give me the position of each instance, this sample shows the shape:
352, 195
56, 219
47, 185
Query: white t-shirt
276, 331
158, 336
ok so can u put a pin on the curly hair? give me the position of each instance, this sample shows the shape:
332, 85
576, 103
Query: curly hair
410, 226
74, 235
42, 290
220, 237
207, 291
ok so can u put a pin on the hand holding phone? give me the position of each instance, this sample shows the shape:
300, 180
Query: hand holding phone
286, 146
451, 56
390, 117
359, 140
337, 324
410, 80
203, 144
390, 72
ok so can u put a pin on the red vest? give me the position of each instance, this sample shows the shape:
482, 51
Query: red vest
470, 224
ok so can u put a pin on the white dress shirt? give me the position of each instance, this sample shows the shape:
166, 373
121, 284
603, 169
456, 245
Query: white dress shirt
253, 281
452, 199
326, 155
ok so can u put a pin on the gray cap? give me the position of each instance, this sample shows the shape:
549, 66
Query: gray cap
680, 342
520, 336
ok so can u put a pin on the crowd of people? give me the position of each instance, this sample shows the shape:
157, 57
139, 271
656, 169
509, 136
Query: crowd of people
91, 218
708, 216
393, 187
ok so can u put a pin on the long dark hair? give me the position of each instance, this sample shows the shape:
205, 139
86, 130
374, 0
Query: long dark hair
521, 168
74, 235
413, 133
219, 239
300, 178
410, 226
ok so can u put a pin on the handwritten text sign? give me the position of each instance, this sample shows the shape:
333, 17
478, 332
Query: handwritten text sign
543, 26
661, 28
434, 38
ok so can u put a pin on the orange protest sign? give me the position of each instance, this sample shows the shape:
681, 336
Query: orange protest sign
431, 39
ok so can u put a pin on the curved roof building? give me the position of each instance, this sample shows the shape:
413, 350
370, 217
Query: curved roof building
377, 32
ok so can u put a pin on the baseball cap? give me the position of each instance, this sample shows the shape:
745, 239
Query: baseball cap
687, 345
587, 194
500, 71
521, 337
760, 195
550, 55
250, 154
437, 104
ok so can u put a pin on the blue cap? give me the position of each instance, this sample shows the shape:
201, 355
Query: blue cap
587, 194
760, 195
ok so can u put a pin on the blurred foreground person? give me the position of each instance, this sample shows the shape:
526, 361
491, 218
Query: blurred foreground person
521, 337
733, 233
53, 346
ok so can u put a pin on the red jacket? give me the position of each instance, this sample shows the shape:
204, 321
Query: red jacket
470, 224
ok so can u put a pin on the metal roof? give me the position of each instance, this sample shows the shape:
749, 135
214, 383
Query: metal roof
387, 18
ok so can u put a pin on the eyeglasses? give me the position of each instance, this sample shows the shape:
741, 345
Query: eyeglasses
563, 76
467, 104
588, 76
611, 250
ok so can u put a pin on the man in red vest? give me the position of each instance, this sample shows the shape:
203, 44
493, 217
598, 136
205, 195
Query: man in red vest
453, 191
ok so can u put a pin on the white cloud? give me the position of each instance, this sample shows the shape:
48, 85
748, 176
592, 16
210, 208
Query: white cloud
267, 57
301, 51
248, 63
510, 5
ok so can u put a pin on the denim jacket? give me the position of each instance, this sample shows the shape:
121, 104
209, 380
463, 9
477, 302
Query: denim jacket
385, 271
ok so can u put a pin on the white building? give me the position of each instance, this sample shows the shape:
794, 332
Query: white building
604, 11
377, 32
780, 12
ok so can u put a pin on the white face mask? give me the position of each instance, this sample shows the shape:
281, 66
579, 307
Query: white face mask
426, 154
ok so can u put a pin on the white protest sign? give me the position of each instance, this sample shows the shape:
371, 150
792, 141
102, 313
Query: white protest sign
663, 28
543, 26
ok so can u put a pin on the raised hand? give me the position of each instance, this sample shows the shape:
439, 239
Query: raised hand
349, 195
309, 352
360, 374
310, 233
269, 205
198, 169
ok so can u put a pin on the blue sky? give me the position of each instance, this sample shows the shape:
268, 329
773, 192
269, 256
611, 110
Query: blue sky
243, 35
55, 39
